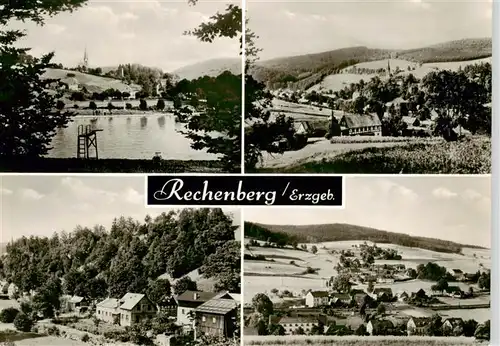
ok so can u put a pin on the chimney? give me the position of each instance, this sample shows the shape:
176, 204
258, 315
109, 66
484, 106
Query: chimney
195, 296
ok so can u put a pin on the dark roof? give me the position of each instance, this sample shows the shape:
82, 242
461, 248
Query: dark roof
457, 271
195, 296
420, 321
298, 320
357, 120
381, 290
355, 291
381, 323
342, 296
454, 321
319, 294
218, 306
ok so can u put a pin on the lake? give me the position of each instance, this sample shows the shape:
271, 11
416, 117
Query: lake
130, 137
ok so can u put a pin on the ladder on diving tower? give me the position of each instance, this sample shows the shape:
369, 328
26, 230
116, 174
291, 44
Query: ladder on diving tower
87, 139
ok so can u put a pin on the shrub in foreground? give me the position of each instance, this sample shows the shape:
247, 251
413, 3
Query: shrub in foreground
23, 322
8, 315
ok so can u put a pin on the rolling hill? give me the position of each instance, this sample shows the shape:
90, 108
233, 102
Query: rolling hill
313, 66
212, 68
90, 82
288, 234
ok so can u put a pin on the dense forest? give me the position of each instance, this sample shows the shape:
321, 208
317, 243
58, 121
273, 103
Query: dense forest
130, 256
290, 234
286, 69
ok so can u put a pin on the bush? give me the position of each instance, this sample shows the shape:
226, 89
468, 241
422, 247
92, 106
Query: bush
8, 315
85, 337
53, 331
23, 322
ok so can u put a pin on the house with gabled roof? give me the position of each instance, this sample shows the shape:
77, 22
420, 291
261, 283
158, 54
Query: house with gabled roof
130, 309
360, 124
75, 303
417, 325
453, 326
292, 324
135, 307
379, 327
217, 317
187, 302
317, 298
383, 293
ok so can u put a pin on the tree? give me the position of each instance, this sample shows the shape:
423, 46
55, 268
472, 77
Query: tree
160, 105
484, 281
60, 105
222, 113
314, 249
184, 284
47, 300
143, 105
381, 309
341, 283
28, 112
92, 105
23, 323
159, 290
8, 315
370, 287
263, 305
483, 331
224, 266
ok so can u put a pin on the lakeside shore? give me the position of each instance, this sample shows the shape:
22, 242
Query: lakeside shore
74, 165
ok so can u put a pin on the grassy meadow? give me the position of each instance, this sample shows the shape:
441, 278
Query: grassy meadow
469, 156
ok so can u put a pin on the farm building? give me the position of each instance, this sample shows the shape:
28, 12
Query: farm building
71, 83
453, 326
4, 287
403, 296
187, 302
317, 298
361, 298
217, 317
292, 324
458, 274
358, 125
379, 327
417, 325
77, 302
130, 309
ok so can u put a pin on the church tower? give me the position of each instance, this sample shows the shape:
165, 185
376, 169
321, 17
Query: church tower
85, 59
388, 68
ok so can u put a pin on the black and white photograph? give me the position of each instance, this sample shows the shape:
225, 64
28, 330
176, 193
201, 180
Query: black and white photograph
83, 262
406, 263
398, 86
91, 86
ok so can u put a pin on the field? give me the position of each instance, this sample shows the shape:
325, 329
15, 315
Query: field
469, 156
300, 340
276, 273
336, 82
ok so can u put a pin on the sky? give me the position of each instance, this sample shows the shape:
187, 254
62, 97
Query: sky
293, 27
149, 32
455, 208
42, 205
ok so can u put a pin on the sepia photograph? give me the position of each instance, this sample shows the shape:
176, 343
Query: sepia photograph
83, 262
120, 86
406, 263
368, 87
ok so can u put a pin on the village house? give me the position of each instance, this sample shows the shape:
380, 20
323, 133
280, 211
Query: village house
458, 274
134, 308
187, 302
357, 124
383, 294
379, 327
340, 299
217, 317
168, 306
317, 298
107, 310
4, 287
453, 326
71, 83
403, 296
130, 309
454, 291
417, 325
75, 303
292, 324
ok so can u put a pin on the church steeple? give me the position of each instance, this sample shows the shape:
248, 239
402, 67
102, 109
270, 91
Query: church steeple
85, 58
388, 68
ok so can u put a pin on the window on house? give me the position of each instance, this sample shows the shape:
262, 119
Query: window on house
203, 318
183, 311
138, 308
214, 319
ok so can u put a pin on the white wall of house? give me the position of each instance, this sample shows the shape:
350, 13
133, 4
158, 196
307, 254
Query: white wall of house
183, 315
105, 314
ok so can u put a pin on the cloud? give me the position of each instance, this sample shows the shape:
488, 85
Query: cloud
471, 194
392, 188
31, 194
443, 193
5, 192
81, 191
132, 196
